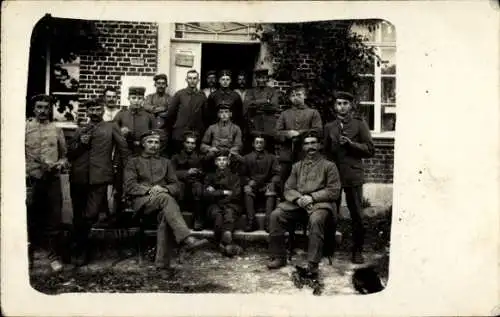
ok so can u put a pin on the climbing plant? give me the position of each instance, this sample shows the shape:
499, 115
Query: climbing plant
326, 56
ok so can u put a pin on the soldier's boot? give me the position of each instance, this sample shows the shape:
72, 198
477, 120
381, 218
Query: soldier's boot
357, 257
276, 263
270, 205
312, 270
198, 217
250, 209
191, 243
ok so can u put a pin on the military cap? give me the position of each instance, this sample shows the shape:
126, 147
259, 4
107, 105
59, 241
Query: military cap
139, 91
211, 72
223, 104
257, 134
222, 152
191, 134
311, 134
242, 73
344, 95
150, 134
160, 76
225, 72
42, 97
261, 71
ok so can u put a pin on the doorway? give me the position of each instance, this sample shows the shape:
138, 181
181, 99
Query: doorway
235, 57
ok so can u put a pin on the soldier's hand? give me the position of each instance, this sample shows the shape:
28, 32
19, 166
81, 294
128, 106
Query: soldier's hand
252, 183
227, 192
345, 140
192, 171
85, 138
309, 208
293, 133
307, 200
210, 189
124, 130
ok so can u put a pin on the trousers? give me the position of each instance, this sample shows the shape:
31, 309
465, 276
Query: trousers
171, 225
44, 215
282, 221
224, 219
354, 197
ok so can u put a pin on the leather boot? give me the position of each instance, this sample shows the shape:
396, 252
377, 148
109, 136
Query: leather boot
312, 269
276, 263
191, 243
357, 257
198, 221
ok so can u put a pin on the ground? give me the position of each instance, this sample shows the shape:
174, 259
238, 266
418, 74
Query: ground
203, 272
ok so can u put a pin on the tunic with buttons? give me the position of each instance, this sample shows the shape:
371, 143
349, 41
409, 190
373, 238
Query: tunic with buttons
316, 177
222, 135
230, 97
143, 172
138, 121
302, 119
224, 180
44, 143
260, 108
348, 158
263, 168
187, 111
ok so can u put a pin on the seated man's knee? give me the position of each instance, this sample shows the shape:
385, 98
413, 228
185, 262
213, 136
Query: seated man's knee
276, 215
318, 217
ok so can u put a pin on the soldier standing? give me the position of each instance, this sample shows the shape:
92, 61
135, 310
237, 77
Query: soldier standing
228, 96
260, 109
187, 112
111, 108
347, 142
157, 104
241, 82
45, 158
90, 153
211, 83
291, 125
135, 121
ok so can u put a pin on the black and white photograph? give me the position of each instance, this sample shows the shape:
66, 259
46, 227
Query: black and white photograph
263, 158
254, 158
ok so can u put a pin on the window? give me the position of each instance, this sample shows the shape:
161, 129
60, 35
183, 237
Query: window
224, 31
377, 90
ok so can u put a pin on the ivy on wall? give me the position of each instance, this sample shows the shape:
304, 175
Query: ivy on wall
323, 55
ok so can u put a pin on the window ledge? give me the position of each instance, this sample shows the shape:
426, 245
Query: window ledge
384, 135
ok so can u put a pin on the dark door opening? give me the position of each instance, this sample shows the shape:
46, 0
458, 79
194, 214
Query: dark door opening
235, 57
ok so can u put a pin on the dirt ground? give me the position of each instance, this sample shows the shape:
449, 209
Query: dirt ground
206, 271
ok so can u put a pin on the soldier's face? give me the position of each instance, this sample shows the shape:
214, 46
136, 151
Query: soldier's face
110, 98
161, 85
224, 114
258, 144
42, 110
310, 145
242, 81
261, 80
343, 106
135, 101
190, 144
151, 145
192, 80
225, 81
222, 162
298, 96
95, 112
211, 80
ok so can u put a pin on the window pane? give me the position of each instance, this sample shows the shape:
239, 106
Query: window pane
367, 111
366, 89
388, 56
388, 32
388, 90
388, 122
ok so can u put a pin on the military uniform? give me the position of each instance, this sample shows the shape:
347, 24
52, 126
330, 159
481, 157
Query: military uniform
209, 90
260, 171
91, 172
301, 119
157, 105
318, 178
44, 145
191, 184
224, 210
187, 112
348, 158
138, 121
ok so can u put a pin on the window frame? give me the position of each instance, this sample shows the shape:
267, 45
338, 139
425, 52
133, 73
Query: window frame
377, 103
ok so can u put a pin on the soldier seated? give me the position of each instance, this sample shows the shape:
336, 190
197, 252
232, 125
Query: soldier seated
188, 165
223, 193
310, 193
151, 183
260, 175
223, 135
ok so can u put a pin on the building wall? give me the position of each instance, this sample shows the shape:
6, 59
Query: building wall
120, 42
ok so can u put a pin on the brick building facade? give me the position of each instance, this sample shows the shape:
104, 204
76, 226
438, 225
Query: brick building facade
153, 46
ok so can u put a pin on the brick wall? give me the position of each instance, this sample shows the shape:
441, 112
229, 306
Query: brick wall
120, 41
380, 168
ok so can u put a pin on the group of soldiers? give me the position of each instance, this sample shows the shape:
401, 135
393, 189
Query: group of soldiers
205, 151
